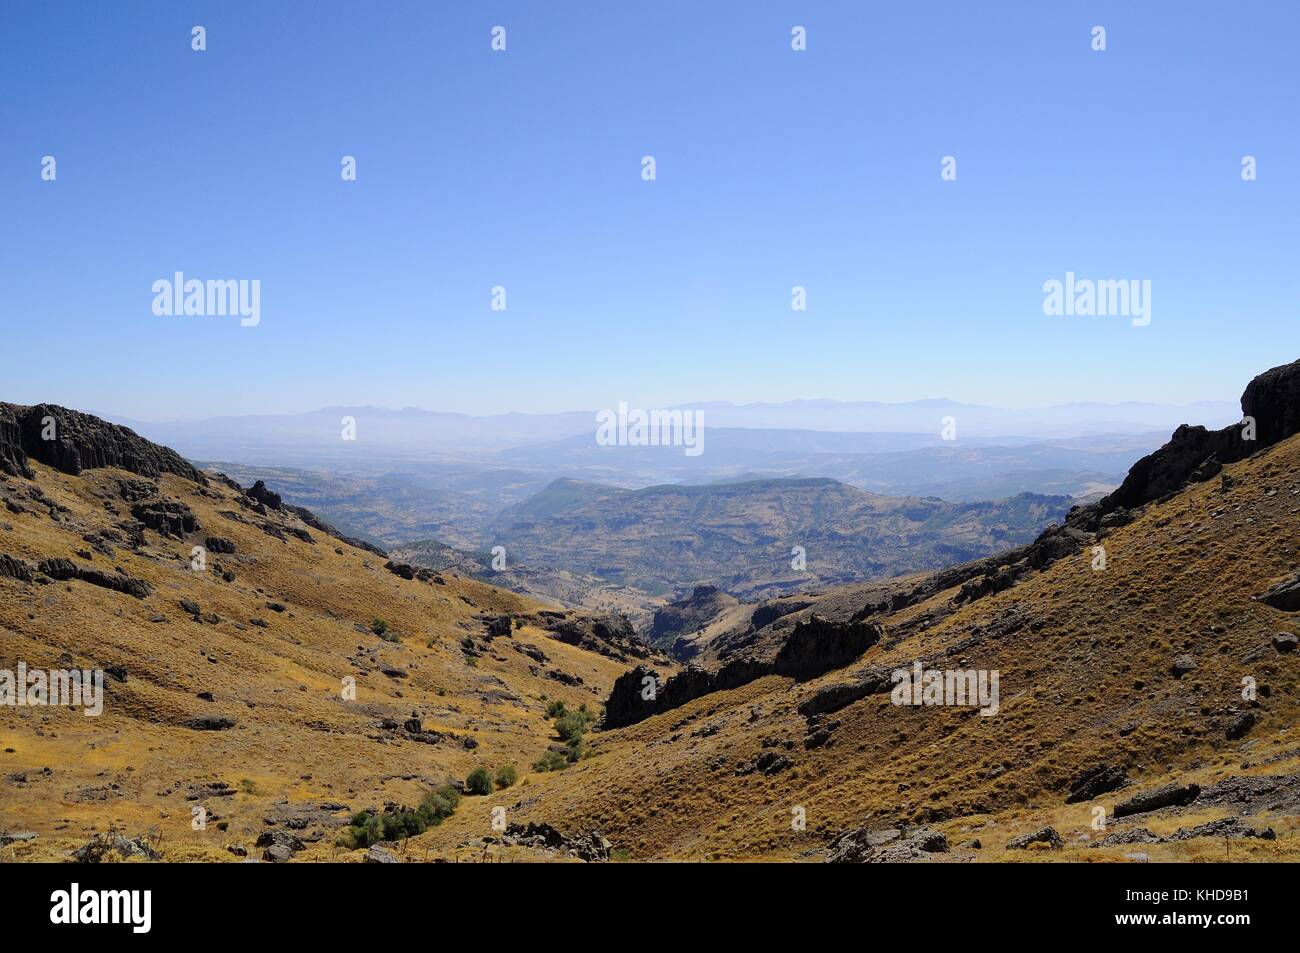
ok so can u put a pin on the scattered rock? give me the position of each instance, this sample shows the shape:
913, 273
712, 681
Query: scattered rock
1241, 725
885, 846
99, 847
209, 723
1046, 836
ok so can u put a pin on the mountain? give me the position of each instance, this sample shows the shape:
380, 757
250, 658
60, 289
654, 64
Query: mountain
411, 434
459, 501
1132, 669
288, 681
1146, 704
757, 537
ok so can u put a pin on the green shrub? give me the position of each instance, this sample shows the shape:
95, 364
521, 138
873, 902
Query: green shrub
440, 803
479, 781
397, 823
506, 776
551, 761
556, 709
571, 726
379, 627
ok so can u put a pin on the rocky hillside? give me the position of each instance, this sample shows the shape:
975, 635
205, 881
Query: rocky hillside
256, 665
1133, 671
1147, 704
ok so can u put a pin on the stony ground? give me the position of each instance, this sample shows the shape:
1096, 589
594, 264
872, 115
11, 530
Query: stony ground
227, 693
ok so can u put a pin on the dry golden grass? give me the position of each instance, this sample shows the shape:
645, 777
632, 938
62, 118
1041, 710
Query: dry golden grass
1084, 680
296, 738
1094, 656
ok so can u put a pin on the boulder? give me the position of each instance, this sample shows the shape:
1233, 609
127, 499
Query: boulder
1285, 595
885, 846
1046, 836
1171, 795
262, 494
1095, 782
1240, 726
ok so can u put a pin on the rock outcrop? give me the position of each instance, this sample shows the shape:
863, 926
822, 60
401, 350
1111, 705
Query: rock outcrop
814, 647
71, 441
65, 569
1171, 795
885, 846
691, 614
610, 635
1095, 782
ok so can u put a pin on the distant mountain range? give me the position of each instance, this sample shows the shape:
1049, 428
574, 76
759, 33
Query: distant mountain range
412, 434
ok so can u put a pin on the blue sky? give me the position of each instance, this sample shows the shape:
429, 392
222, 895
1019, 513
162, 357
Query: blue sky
522, 169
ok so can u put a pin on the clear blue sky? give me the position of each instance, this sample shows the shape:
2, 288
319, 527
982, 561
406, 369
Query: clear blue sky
775, 168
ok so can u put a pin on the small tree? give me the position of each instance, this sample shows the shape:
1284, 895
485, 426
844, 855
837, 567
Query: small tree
479, 781
506, 776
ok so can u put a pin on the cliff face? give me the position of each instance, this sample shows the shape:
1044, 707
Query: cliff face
814, 647
71, 441
1271, 400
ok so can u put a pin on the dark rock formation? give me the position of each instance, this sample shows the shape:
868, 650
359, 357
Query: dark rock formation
1171, 795
1134, 835
268, 498
1095, 782
170, 518
1241, 725
1047, 835
687, 615
100, 848
219, 544
65, 569
768, 763
209, 723
588, 846
885, 846
315, 522
14, 568
1233, 827
814, 647
81, 442
1272, 400
1285, 595
765, 615
834, 697
610, 635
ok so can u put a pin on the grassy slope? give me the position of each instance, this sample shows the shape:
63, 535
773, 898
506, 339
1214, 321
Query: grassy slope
296, 739
1093, 656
